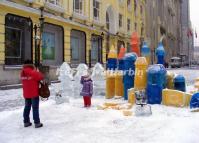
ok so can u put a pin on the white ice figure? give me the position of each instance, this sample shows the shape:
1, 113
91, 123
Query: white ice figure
81, 70
66, 86
98, 77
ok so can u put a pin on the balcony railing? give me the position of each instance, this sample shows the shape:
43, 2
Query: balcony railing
56, 5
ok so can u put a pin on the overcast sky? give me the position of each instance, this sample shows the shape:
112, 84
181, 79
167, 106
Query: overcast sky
194, 15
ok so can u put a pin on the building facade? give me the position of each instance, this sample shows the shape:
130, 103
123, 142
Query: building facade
75, 31
187, 47
164, 23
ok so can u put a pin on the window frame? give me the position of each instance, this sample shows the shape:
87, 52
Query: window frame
20, 47
107, 21
120, 20
30, 24
97, 10
128, 24
80, 6
98, 39
135, 26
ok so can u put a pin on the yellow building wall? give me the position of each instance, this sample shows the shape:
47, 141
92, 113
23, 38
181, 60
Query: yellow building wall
88, 10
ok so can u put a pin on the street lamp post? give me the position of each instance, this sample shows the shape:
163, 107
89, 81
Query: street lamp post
38, 38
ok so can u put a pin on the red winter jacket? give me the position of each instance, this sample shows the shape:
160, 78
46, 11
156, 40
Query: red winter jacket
30, 81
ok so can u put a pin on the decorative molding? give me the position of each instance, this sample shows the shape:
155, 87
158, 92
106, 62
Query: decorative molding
54, 7
79, 16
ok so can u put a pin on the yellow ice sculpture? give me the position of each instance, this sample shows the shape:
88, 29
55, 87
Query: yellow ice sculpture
110, 84
112, 53
175, 98
119, 87
141, 66
131, 96
170, 80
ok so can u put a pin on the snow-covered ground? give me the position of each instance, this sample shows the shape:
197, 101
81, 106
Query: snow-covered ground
71, 123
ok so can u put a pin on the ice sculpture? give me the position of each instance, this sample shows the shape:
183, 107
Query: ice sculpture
81, 70
66, 87
98, 77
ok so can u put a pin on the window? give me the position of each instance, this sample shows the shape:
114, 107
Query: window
141, 10
120, 20
78, 6
135, 26
52, 45
18, 41
107, 21
128, 2
96, 9
128, 24
135, 6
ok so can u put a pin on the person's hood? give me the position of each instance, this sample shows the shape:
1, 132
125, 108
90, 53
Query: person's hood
87, 78
27, 69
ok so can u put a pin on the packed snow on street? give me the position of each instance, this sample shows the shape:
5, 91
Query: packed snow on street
70, 122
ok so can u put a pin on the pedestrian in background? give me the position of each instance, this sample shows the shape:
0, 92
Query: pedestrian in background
30, 78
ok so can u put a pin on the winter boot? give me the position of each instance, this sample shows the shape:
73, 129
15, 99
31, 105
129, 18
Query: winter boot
27, 124
39, 125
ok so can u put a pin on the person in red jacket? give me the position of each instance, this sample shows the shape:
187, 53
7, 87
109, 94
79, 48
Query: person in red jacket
30, 78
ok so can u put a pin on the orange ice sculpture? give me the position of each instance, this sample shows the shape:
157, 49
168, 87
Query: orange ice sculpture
122, 52
135, 43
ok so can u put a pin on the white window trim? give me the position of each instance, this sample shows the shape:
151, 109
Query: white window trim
80, 11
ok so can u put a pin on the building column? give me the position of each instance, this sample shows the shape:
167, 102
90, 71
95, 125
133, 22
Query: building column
104, 46
88, 46
67, 47
2, 38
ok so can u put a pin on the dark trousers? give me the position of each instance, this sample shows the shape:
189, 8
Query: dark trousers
34, 102
87, 101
